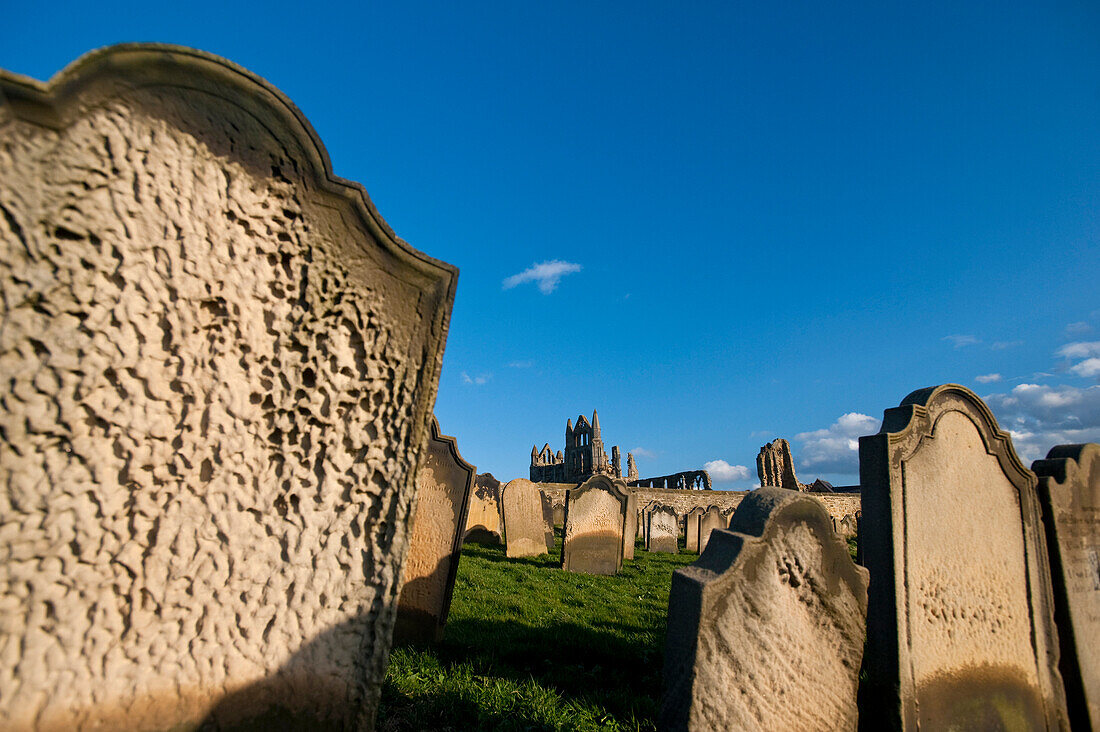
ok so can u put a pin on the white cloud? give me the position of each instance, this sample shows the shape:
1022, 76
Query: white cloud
641, 452
1002, 345
835, 449
962, 340
1088, 368
1080, 349
987, 378
546, 274
1040, 417
521, 364
1078, 328
722, 472
479, 380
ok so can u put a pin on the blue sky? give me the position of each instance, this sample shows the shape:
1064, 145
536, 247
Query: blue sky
739, 222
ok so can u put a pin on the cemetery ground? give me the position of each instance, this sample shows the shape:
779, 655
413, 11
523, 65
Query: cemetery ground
528, 646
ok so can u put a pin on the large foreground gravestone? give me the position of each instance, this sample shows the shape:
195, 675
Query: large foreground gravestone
218, 375
663, 531
711, 519
595, 526
1069, 489
443, 486
483, 522
960, 628
765, 630
691, 529
526, 519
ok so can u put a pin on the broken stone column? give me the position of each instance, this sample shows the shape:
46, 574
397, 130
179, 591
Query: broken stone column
483, 523
775, 467
219, 370
595, 524
443, 487
960, 630
765, 630
525, 520
1069, 490
663, 531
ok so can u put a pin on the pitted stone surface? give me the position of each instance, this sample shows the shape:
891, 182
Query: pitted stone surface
219, 366
595, 526
443, 486
960, 632
524, 519
663, 531
766, 629
1069, 488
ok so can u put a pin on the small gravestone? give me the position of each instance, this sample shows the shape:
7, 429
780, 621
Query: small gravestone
765, 630
483, 522
1069, 489
547, 521
691, 529
960, 628
711, 519
630, 531
443, 486
644, 527
595, 525
662, 530
524, 519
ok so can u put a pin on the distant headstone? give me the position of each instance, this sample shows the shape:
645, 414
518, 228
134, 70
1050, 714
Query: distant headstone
765, 630
483, 522
711, 519
630, 531
559, 514
218, 369
443, 486
524, 519
691, 529
662, 530
645, 521
960, 628
1069, 489
595, 524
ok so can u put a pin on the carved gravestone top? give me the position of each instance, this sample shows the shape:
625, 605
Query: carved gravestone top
1069, 489
483, 522
524, 519
444, 484
691, 529
663, 530
766, 629
960, 630
218, 401
595, 525
711, 519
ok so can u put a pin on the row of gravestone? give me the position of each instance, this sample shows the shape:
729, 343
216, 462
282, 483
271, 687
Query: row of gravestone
984, 605
660, 527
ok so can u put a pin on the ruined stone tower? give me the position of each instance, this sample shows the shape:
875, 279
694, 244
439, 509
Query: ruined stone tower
584, 455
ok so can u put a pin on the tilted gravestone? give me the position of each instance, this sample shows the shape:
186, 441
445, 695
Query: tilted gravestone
1069, 490
765, 630
524, 519
443, 486
219, 372
547, 520
711, 519
663, 531
595, 526
484, 524
960, 629
691, 529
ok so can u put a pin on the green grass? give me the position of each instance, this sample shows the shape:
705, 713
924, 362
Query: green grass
530, 647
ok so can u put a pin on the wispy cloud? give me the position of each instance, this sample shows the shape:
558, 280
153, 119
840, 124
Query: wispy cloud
546, 274
1040, 417
641, 452
960, 341
1080, 349
722, 472
1078, 328
987, 378
1088, 368
1004, 345
521, 364
835, 449
479, 380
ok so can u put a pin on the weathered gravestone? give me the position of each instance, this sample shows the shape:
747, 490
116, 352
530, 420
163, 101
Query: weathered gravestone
595, 526
631, 528
443, 486
711, 519
662, 530
525, 519
960, 631
218, 375
691, 529
765, 630
1069, 489
644, 526
483, 522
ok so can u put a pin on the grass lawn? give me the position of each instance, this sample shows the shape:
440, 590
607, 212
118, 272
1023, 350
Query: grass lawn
530, 647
